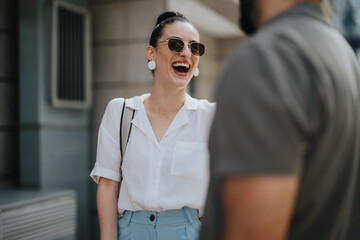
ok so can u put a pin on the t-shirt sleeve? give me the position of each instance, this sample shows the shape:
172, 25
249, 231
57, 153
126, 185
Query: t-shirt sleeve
265, 104
108, 156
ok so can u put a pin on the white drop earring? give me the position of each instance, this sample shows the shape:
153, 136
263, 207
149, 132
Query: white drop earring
197, 72
151, 65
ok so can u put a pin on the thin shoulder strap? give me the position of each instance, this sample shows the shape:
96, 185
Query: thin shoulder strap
125, 128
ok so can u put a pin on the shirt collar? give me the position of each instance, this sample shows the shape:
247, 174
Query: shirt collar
190, 103
136, 102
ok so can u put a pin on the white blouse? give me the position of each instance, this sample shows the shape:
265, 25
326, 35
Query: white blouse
157, 176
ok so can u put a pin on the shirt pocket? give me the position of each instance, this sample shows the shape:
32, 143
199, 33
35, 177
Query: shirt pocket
189, 160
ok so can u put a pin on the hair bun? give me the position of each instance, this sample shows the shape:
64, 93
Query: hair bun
165, 18
169, 14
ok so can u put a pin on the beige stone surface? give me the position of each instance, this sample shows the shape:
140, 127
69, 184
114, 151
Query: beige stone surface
109, 63
140, 18
138, 90
135, 63
108, 21
101, 98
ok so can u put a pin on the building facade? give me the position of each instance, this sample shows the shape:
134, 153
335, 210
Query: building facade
45, 146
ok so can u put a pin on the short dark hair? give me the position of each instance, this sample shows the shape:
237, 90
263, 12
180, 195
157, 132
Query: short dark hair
164, 19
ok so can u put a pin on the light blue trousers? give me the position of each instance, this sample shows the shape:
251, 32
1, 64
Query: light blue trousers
181, 224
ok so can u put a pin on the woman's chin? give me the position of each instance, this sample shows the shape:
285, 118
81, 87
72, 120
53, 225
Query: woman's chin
181, 80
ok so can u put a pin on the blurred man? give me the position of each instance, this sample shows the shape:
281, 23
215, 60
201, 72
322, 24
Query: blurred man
285, 139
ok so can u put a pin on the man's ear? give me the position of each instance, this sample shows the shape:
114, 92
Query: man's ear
150, 52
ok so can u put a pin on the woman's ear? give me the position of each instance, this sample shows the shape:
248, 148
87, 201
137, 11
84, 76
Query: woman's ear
150, 52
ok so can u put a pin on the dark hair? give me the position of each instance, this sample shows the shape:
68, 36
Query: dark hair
164, 19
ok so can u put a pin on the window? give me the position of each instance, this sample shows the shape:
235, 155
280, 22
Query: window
71, 56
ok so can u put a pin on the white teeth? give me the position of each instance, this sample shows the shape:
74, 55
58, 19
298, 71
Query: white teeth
181, 64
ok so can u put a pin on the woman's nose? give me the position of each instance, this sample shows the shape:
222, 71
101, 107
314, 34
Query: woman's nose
186, 51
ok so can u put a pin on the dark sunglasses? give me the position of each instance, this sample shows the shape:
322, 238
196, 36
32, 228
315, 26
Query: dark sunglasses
177, 45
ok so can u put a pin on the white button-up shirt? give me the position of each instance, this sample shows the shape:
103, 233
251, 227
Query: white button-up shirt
157, 176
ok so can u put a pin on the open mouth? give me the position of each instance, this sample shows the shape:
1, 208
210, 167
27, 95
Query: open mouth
181, 67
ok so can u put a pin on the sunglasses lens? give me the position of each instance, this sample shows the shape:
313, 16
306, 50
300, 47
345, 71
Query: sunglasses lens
198, 49
176, 45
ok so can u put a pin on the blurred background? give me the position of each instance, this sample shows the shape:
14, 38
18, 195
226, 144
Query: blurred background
60, 64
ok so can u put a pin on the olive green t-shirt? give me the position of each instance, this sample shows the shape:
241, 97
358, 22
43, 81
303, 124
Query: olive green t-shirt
288, 103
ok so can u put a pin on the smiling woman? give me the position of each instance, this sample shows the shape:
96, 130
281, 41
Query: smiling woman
175, 49
165, 168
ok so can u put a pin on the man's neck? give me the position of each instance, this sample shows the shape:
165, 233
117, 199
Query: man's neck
269, 9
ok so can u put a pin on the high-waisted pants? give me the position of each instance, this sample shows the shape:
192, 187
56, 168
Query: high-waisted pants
181, 224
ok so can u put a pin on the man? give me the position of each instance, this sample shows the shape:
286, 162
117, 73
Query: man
285, 140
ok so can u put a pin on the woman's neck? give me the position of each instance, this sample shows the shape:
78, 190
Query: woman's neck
165, 102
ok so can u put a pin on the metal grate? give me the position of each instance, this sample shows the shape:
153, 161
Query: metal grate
71, 56
39, 216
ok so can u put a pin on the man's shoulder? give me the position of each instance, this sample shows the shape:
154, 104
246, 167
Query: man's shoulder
268, 48
272, 40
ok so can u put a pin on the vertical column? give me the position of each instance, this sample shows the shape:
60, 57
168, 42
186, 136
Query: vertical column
54, 142
29, 81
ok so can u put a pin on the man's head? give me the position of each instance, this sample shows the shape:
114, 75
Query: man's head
254, 13
247, 12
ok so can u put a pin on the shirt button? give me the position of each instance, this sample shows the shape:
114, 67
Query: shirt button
152, 218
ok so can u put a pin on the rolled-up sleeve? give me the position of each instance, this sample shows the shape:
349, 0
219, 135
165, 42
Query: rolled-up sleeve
108, 156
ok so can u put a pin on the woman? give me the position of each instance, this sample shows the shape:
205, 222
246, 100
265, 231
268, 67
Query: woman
165, 168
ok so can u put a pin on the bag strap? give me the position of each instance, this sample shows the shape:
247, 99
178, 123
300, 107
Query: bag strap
125, 128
